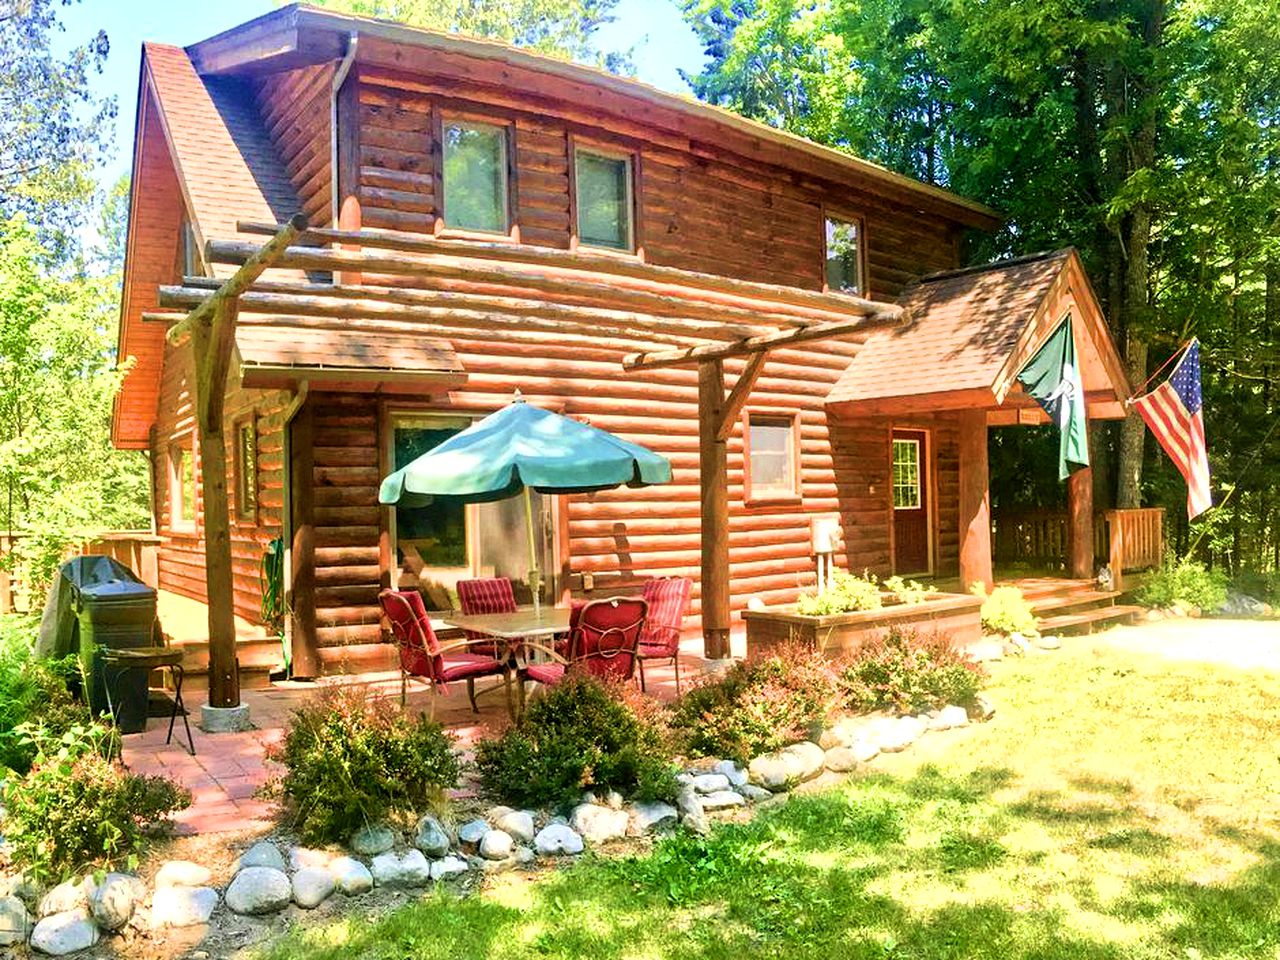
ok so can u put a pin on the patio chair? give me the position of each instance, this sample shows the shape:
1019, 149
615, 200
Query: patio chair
422, 657
487, 595
668, 599
603, 642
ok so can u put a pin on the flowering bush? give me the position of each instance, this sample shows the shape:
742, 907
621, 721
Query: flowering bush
844, 594
1005, 610
759, 705
908, 672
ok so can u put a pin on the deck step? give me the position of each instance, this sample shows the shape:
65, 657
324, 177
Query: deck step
1071, 599
1085, 621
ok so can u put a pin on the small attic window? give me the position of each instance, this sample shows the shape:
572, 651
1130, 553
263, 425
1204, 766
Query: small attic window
189, 250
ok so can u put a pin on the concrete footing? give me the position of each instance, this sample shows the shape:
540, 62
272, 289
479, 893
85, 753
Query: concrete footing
225, 719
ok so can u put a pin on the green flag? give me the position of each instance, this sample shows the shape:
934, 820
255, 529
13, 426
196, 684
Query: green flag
1052, 378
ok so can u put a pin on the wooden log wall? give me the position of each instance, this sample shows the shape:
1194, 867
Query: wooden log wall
295, 109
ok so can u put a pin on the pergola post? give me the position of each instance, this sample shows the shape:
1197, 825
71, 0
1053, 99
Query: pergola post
713, 463
1080, 557
975, 502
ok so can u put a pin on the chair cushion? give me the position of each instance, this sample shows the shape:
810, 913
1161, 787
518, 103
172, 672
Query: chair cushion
657, 651
548, 673
460, 666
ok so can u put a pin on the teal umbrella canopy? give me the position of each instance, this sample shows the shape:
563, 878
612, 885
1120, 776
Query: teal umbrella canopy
523, 446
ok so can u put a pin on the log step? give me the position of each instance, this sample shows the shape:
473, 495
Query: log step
1086, 621
1072, 599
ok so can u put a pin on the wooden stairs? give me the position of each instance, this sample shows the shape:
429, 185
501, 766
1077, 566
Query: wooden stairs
1075, 606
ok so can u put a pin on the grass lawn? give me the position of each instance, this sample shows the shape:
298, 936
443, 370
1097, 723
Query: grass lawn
1118, 806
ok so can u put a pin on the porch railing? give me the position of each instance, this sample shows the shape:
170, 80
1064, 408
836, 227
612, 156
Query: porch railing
1127, 539
136, 549
1136, 540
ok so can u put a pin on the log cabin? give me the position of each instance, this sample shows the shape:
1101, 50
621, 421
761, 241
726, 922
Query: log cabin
790, 325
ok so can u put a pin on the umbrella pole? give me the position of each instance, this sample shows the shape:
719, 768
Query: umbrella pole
533, 552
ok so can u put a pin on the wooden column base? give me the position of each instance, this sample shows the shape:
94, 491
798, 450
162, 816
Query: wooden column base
1080, 557
975, 502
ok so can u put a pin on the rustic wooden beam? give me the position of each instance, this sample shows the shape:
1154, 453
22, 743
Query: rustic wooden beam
601, 263
713, 473
750, 345
739, 395
1080, 524
975, 501
304, 658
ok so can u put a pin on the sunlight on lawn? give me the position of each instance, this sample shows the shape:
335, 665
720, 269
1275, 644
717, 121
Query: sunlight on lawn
1117, 807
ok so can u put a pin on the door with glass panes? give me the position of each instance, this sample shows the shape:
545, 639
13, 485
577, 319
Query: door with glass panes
911, 553
446, 541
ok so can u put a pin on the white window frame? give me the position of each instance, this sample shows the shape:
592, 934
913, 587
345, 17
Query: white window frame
604, 154
504, 190
860, 226
893, 480
177, 493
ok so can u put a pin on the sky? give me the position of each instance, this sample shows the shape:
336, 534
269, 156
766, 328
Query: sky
663, 44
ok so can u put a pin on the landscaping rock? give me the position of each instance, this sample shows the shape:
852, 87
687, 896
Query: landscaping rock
771, 771
808, 758
525, 855
471, 833
15, 922
557, 839
182, 873
61, 933
736, 775
846, 730
841, 760
259, 890
1243, 605
497, 845
23, 886
300, 858
900, 734
948, 718
392, 870
753, 794
722, 799
982, 709
182, 906
373, 839
262, 854
1048, 643
598, 824
65, 897
710, 782
312, 886
648, 817
692, 813
431, 837
986, 649
614, 800
115, 899
518, 823
350, 876
703, 765
448, 867
787, 767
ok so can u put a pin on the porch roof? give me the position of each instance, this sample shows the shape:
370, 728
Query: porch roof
274, 356
965, 334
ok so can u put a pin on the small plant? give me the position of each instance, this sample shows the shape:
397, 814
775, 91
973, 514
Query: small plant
909, 591
582, 734
907, 672
78, 806
32, 692
1005, 610
845, 594
1185, 582
758, 706
351, 760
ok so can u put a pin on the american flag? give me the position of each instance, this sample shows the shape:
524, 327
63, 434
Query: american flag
1174, 412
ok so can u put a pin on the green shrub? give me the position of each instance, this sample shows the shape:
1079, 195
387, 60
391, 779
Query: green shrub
79, 806
579, 735
351, 759
1184, 581
758, 706
31, 692
845, 594
908, 672
909, 591
1005, 610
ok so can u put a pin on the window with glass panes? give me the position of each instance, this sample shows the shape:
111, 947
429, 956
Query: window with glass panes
603, 189
182, 487
246, 470
771, 449
475, 176
844, 256
906, 474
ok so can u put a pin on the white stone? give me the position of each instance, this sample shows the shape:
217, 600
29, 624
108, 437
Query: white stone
614, 800
787, 767
841, 760
692, 814
373, 839
61, 933
949, 718
986, 649
1049, 642
721, 800
983, 709
472, 832
302, 857
258, 890
115, 899
393, 870
518, 823
431, 837
182, 906
15, 922
183, 873
350, 876
598, 824
450, 866
736, 775
901, 734
261, 854
497, 845
710, 782
65, 897
312, 886
648, 817
557, 839
754, 794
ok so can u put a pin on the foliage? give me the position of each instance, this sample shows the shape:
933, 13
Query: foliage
351, 759
31, 692
580, 734
757, 706
78, 805
1005, 610
908, 672
1184, 582
909, 591
844, 594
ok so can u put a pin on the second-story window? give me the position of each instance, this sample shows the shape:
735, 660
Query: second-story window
604, 197
475, 177
844, 256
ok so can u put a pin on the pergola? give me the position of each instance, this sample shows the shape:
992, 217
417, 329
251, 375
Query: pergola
657, 317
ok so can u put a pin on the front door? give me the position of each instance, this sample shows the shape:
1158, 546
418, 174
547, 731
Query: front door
911, 502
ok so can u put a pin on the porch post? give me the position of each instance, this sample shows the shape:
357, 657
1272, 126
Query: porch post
1080, 524
304, 660
713, 463
975, 501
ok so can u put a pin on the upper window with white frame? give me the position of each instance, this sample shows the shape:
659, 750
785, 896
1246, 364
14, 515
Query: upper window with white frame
604, 190
845, 256
475, 177
771, 457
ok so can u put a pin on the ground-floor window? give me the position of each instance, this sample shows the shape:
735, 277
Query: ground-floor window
182, 486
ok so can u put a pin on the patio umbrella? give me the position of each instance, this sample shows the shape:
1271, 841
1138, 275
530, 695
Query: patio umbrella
519, 448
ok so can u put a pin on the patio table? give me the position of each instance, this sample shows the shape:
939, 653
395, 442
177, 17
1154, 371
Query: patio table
523, 624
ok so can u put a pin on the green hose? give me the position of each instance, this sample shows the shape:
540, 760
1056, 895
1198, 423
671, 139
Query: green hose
271, 579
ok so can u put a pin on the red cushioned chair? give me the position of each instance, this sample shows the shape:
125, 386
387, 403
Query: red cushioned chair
423, 658
488, 595
602, 644
668, 599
